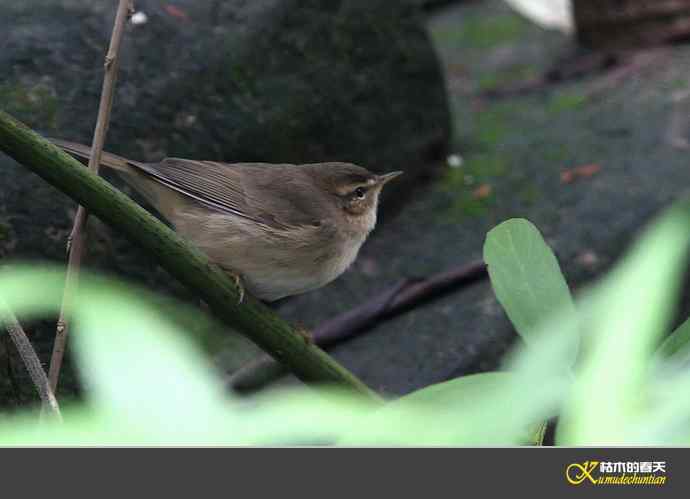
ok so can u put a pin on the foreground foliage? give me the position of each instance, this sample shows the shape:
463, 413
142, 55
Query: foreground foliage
599, 364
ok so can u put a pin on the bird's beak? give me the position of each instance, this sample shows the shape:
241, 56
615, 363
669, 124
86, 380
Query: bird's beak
387, 177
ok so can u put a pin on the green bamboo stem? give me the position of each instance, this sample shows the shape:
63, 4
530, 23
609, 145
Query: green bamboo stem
251, 318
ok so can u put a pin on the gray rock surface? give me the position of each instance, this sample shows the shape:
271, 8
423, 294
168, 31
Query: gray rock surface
269, 80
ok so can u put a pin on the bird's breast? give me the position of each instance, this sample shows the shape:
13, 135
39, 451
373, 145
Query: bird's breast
286, 267
338, 257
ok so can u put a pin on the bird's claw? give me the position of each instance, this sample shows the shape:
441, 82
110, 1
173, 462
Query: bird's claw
240, 287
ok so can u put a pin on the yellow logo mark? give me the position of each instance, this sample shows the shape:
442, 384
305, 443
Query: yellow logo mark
577, 473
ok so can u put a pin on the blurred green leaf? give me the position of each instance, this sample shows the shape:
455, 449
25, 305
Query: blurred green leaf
471, 410
677, 341
667, 412
133, 361
526, 278
625, 317
148, 384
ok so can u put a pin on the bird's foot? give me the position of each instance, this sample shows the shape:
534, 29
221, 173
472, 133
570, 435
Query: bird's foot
237, 279
306, 335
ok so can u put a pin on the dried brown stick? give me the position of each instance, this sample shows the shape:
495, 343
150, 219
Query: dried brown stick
615, 66
30, 359
76, 241
629, 66
393, 301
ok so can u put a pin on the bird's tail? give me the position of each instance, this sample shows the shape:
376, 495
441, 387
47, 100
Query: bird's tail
83, 153
161, 197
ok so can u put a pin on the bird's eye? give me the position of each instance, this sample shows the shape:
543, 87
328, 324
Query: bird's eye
360, 192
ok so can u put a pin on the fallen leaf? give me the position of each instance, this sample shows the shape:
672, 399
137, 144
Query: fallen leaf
482, 192
176, 12
585, 171
587, 258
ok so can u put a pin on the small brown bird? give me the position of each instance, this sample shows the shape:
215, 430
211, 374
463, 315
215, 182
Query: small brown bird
281, 229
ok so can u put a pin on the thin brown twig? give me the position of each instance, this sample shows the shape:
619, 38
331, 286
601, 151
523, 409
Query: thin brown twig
613, 67
393, 301
30, 359
76, 241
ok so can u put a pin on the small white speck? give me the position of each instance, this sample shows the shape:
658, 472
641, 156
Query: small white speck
455, 161
139, 18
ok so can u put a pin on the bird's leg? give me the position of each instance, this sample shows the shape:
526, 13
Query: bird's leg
304, 333
237, 279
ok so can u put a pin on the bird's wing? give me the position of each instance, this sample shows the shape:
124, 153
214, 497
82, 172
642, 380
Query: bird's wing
272, 195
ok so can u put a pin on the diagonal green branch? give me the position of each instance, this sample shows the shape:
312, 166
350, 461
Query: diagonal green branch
185, 262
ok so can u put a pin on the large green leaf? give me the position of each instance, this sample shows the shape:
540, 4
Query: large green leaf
526, 277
